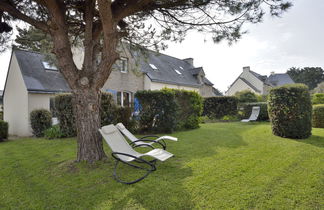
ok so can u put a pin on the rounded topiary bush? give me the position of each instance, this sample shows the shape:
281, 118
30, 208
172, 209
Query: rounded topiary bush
40, 120
290, 111
3, 130
318, 116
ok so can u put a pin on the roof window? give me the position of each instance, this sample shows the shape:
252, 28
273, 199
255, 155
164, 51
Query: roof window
153, 66
178, 72
49, 66
181, 67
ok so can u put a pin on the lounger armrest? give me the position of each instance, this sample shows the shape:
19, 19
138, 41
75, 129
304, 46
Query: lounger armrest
162, 143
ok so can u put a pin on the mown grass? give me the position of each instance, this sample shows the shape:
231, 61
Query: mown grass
219, 166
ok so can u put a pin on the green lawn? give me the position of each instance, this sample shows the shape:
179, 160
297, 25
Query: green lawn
219, 166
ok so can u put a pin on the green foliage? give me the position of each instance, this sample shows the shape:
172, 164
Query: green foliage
40, 120
53, 132
246, 96
219, 106
190, 107
230, 118
246, 109
159, 110
318, 98
290, 111
109, 112
1, 115
319, 88
3, 130
310, 76
318, 116
64, 112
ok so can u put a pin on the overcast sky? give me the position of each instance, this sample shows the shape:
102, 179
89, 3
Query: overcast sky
296, 39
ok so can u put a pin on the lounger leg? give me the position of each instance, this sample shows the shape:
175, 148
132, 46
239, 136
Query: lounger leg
148, 171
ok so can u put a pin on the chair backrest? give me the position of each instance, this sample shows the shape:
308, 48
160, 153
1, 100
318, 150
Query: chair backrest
126, 132
255, 113
116, 141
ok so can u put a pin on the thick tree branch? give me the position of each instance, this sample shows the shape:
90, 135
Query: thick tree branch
17, 14
88, 36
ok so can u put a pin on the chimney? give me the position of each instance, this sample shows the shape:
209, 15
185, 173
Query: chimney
246, 68
189, 60
272, 73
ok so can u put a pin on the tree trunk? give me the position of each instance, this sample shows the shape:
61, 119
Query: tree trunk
87, 116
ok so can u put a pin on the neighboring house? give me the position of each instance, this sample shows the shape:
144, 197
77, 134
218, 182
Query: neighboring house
1, 100
32, 82
259, 84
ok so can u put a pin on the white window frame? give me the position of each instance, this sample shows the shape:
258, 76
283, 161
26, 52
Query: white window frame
121, 65
122, 98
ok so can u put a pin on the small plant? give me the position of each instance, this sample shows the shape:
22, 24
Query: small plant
230, 118
53, 132
40, 119
3, 130
318, 116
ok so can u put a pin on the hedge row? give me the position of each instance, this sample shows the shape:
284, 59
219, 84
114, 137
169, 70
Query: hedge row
246, 110
290, 111
110, 113
3, 130
219, 106
167, 110
318, 116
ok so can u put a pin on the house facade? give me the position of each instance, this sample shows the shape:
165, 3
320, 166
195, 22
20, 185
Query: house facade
259, 84
32, 82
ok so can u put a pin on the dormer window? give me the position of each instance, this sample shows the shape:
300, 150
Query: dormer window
48, 66
123, 64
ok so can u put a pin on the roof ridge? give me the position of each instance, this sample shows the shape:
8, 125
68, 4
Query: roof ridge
30, 51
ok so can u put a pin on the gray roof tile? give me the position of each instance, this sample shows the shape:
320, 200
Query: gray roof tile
279, 79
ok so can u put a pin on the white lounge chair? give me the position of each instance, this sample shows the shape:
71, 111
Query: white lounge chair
144, 141
123, 152
254, 114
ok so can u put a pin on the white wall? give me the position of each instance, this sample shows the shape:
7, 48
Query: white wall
253, 80
159, 86
239, 85
37, 101
15, 101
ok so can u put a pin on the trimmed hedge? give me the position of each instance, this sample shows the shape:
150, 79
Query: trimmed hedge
247, 109
158, 110
246, 96
40, 120
3, 130
290, 111
220, 106
190, 107
109, 112
318, 98
64, 113
318, 116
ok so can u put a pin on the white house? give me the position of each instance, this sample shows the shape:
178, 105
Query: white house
31, 82
259, 84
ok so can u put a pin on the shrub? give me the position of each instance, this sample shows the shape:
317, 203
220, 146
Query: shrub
53, 132
246, 110
190, 107
1, 115
64, 112
318, 116
40, 119
290, 111
247, 96
219, 106
318, 98
158, 110
3, 130
109, 112
230, 118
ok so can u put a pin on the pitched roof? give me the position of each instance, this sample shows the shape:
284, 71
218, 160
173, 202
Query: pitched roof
169, 70
36, 77
279, 79
259, 76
